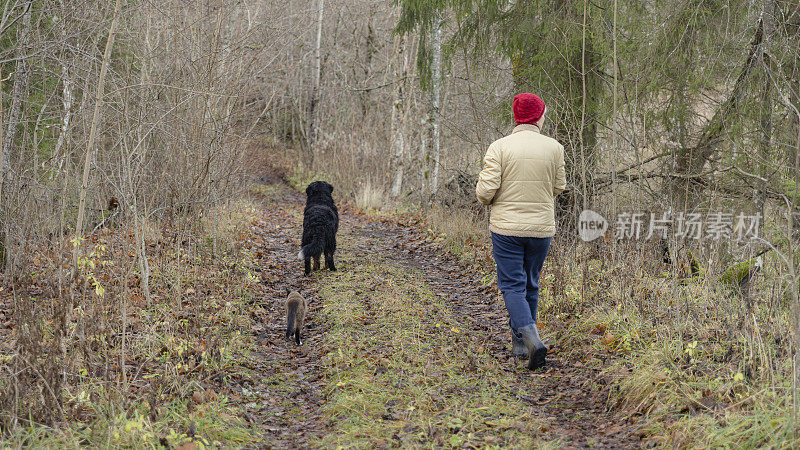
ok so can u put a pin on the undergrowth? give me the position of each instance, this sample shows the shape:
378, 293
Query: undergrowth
682, 352
136, 368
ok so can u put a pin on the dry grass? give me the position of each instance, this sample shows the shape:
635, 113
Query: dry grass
229, 223
680, 351
462, 231
459, 226
175, 340
370, 197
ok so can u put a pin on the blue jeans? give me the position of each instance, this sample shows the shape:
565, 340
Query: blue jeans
519, 263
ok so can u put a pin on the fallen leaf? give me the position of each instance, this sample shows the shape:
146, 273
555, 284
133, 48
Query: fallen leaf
210, 395
198, 397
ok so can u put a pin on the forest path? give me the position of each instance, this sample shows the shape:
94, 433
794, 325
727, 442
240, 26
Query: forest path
403, 348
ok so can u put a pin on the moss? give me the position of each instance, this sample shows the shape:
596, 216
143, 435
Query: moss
740, 272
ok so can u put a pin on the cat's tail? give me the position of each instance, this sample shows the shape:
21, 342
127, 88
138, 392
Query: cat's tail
290, 319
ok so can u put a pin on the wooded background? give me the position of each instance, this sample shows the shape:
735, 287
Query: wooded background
138, 115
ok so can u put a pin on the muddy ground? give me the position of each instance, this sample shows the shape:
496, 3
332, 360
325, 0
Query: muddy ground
287, 401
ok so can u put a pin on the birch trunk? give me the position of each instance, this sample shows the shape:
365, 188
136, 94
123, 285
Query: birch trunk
18, 91
424, 144
398, 119
313, 132
2, 154
67, 101
436, 98
141, 148
87, 164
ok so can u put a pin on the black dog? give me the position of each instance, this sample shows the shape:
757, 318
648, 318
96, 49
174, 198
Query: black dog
320, 224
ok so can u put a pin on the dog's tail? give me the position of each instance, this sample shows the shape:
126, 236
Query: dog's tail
312, 249
290, 319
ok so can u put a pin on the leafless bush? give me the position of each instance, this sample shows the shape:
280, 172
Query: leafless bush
149, 111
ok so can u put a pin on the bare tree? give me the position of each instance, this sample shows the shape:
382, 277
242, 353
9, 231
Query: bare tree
68, 96
398, 117
313, 128
90, 151
767, 107
17, 90
435, 102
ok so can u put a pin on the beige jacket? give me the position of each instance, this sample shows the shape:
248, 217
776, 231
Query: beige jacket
522, 173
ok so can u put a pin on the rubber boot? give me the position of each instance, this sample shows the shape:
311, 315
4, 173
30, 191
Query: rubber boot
537, 351
518, 348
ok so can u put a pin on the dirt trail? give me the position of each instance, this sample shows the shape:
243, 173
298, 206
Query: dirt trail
287, 400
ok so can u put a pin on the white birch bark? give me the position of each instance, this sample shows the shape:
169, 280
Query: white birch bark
2, 152
315, 84
18, 91
398, 119
68, 99
436, 98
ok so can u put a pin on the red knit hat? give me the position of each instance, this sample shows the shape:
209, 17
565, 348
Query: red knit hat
528, 108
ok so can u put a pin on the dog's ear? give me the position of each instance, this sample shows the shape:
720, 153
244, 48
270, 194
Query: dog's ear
309, 190
330, 186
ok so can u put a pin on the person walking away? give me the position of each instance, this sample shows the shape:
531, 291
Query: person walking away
522, 173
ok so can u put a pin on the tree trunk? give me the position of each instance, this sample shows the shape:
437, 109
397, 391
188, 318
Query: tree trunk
614, 157
691, 161
313, 125
2, 154
87, 164
141, 146
424, 153
398, 118
795, 309
436, 98
67, 100
765, 139
369, 52
587, 131
18, 91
